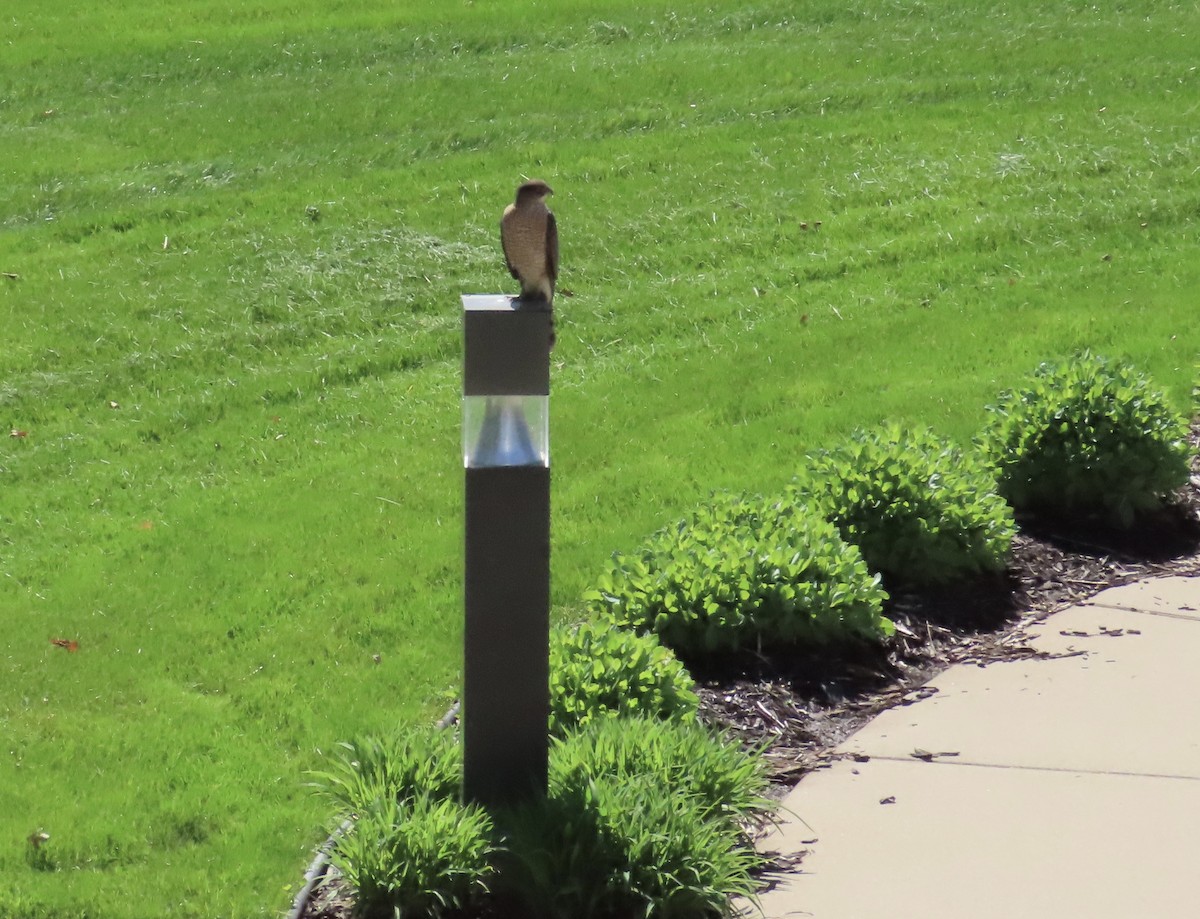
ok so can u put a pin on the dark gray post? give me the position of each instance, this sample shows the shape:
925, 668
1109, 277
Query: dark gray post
506, 691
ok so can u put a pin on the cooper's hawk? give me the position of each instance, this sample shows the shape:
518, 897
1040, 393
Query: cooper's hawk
529, 237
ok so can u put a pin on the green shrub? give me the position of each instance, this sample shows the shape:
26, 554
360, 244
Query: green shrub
1089, 437
402, 766
686, 758
643, 817
632, 827
600, 671
744, 573
416, 857
920, 510
412, 848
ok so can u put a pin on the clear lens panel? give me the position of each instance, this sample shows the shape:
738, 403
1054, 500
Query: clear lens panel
506, 431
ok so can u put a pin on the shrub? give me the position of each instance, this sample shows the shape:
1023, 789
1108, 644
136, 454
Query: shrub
920, 510
631, 827
402, 767
1089, 437
686, 758
600, 671
413, 848
416, 857
744, 573
643, 817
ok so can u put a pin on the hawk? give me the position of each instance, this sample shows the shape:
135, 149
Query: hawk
529, 237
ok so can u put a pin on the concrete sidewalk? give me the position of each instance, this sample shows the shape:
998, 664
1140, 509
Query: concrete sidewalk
1057, 788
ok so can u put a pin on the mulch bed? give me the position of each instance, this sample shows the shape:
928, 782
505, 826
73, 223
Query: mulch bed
804, 705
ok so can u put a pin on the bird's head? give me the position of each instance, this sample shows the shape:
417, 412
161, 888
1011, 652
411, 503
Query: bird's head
532, 191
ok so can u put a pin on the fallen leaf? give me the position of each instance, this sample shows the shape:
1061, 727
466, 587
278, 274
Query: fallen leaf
890, 799
70, 644
15, 433
37, 839
928, 757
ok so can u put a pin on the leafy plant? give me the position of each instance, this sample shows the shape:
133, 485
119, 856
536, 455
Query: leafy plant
402, 767
412, 847
600, 671
420, 856
743, 572
920, 509
728, 781
1088, 437
632, 826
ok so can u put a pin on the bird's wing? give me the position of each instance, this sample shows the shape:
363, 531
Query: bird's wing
552, 247
504, 241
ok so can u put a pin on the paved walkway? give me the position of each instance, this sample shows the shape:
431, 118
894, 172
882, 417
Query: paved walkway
1036, 789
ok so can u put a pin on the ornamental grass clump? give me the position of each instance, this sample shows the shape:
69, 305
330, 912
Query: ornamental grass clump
403, 766
423, 857
1087, 438
744, 573
412, 848
688, 758
598, 671
643, 818
921, 510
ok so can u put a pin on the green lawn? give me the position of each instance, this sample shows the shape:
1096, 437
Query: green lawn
239, 234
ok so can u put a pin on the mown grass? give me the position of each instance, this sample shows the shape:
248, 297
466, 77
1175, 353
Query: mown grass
240, 233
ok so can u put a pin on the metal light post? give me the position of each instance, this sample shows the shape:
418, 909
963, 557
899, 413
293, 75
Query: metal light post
506, 452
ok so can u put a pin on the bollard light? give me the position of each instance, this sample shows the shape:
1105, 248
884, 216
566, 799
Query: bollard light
506, 455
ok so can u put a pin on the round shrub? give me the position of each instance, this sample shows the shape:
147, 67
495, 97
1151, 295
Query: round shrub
744, 573
920, 510
1088, 437
598, 671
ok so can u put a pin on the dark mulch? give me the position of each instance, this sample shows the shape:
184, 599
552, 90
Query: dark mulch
805, 704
